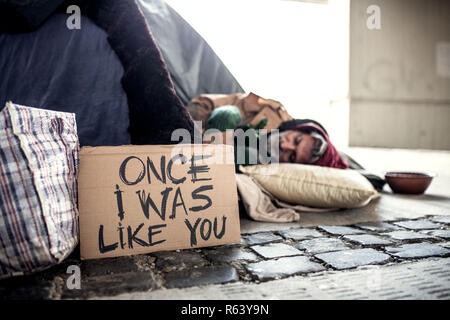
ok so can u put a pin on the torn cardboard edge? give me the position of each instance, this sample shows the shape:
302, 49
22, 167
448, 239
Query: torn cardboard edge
142, 199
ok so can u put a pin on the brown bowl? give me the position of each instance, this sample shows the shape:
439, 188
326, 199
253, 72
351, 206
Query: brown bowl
409, 182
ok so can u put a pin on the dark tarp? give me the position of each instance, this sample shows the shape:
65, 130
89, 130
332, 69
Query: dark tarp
67, 70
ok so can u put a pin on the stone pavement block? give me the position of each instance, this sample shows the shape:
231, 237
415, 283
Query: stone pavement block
407, 235
242, 242
417, 250
445, 244
112, 284
353, 258
340, 230
260, 238
105, 266
283, 267
320, 245
426, 279
275, 250
441, 219
300, 233
230, 254
173, 260
201, 276
378, 226
445, 234
417, 224
367, 240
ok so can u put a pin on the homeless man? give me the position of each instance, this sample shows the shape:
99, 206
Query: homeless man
301, 141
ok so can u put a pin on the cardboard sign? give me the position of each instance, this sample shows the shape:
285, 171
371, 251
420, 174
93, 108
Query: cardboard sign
141, 199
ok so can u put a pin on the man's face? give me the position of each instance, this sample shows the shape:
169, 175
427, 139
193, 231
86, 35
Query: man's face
296, 147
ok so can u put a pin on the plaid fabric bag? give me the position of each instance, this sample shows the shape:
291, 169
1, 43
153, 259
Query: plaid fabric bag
38, 194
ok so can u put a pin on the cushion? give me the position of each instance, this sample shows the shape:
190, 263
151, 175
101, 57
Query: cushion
313, 186
38, 193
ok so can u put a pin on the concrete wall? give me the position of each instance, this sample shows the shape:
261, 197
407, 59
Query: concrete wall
400, 75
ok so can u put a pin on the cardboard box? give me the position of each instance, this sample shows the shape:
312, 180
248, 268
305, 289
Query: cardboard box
273, 119
225, 137
141, 199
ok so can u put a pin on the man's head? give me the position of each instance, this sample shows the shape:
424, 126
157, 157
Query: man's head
305, 141
301, 147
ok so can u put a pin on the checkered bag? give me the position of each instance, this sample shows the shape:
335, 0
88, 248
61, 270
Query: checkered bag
38, 193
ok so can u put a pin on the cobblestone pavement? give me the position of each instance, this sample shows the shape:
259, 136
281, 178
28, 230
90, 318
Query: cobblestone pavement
260, 258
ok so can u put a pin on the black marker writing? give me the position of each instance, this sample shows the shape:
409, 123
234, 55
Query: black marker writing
101, 244
151, 233
177, 204
196, 195
205, 229
194, 169
122, 171
147, 202
132, 236
118, 194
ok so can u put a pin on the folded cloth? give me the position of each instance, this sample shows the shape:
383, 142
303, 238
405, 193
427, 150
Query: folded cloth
260, 205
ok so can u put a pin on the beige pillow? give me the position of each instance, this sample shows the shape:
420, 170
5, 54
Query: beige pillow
313, 186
